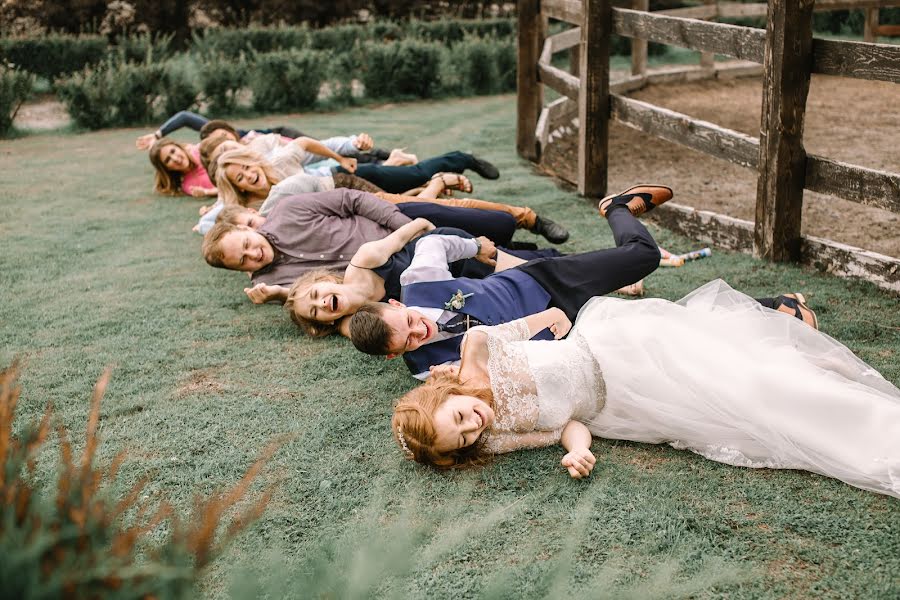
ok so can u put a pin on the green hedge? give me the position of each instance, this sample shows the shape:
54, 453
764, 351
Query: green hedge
53, 55
288, 80
15, 88
409, 68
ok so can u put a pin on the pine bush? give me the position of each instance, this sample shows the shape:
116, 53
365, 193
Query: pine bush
15, 88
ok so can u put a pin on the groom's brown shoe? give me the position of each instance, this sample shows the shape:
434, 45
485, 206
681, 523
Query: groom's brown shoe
642, 198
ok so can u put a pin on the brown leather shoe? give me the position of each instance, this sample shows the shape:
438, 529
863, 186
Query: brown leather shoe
646, 197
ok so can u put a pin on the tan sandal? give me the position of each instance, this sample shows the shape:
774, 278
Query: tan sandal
797, 302
454, 181
635, 289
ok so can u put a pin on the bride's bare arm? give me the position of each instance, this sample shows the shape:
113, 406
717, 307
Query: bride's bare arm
552, 318
576, 438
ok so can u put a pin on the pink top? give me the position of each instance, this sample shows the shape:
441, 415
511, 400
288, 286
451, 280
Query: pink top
196, 177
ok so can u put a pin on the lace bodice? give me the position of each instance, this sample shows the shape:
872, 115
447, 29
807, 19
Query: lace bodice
538, 386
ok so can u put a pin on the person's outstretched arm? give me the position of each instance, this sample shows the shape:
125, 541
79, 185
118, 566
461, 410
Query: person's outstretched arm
262, 293
184, 118
317, 147
434, 254
374, 254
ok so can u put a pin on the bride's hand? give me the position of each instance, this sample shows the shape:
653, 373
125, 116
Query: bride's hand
579, 462
451, 370
561, 323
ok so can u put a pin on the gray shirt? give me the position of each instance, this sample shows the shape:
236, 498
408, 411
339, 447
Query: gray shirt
323, 230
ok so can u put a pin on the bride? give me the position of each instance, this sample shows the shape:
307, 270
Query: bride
771, 392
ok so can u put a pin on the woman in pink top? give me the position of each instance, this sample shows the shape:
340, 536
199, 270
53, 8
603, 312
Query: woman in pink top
178, 169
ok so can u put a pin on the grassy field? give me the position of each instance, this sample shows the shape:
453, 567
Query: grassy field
97, 270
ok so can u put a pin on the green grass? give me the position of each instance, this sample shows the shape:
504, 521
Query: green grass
96, 271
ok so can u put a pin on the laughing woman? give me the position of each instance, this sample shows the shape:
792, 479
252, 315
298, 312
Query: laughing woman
178, 169
714, 373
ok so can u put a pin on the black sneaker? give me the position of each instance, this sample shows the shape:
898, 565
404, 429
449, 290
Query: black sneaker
484, 168
552, 231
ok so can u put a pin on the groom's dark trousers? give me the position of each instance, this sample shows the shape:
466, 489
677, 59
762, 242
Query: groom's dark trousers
574, 279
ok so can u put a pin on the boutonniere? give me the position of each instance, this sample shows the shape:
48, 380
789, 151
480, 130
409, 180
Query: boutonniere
457, 300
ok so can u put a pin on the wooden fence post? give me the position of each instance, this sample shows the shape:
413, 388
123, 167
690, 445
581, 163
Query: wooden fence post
708, 59
782, 157
530, 95
870, 26
639, 46
593, 99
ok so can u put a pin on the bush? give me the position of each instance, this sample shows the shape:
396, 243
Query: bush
75, 539
53, 55
234, 42
140, 47
288, 80
453, 31
222, 79
179, 87
487, 65
401, 69
15, 88
114, 93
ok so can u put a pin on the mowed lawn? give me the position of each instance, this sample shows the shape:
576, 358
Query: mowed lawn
96, 270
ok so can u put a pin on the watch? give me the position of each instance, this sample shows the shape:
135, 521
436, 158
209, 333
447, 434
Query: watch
477, 246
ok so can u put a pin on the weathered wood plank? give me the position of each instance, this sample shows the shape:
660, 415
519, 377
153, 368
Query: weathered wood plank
822, 5
880, 62
565, 39
639, 46
559, 80
708, 59
782, 158
675, 127
730, 233
888, 30
629, 84
561, 110
745, 43
848, 261
542, 131
569, 11
593, 101
859, 184
530, 95
711, 228
731, 10
689, 12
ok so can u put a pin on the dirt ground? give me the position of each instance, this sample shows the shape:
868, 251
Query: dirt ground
849, 120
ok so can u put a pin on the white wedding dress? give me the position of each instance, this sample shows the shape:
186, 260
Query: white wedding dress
714, 373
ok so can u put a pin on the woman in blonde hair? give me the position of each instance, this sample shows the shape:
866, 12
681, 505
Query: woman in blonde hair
178, 169
715, 373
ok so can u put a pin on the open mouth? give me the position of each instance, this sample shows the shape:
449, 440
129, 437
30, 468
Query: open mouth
334, 303
427, 329
255, 179
261, 253
480, 417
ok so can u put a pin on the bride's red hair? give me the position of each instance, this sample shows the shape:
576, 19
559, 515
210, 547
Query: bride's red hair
414, 420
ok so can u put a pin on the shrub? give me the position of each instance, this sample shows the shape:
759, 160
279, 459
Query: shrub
401, 69
222, 79
74, 539
113, 93
179, 87
288, 80
15, 88
234, 42
53, 55
137, 48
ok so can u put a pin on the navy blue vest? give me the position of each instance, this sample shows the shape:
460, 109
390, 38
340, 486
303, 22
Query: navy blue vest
500, 298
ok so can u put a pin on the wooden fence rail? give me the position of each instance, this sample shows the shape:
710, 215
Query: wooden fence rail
789, 54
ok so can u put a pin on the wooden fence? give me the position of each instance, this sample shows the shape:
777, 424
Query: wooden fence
788, 53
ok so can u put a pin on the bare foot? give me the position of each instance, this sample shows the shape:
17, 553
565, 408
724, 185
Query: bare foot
399, 158
635, 289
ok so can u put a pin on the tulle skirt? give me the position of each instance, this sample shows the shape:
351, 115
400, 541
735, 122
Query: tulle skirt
718, 374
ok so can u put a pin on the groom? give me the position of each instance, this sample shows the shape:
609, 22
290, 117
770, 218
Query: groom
428, 328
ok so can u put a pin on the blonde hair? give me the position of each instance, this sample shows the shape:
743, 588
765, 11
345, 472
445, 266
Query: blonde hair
308, 326
414, 420
228, 192
229, 213
167, 181
208, 154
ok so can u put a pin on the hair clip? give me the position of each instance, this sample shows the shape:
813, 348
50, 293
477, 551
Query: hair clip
403, 445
